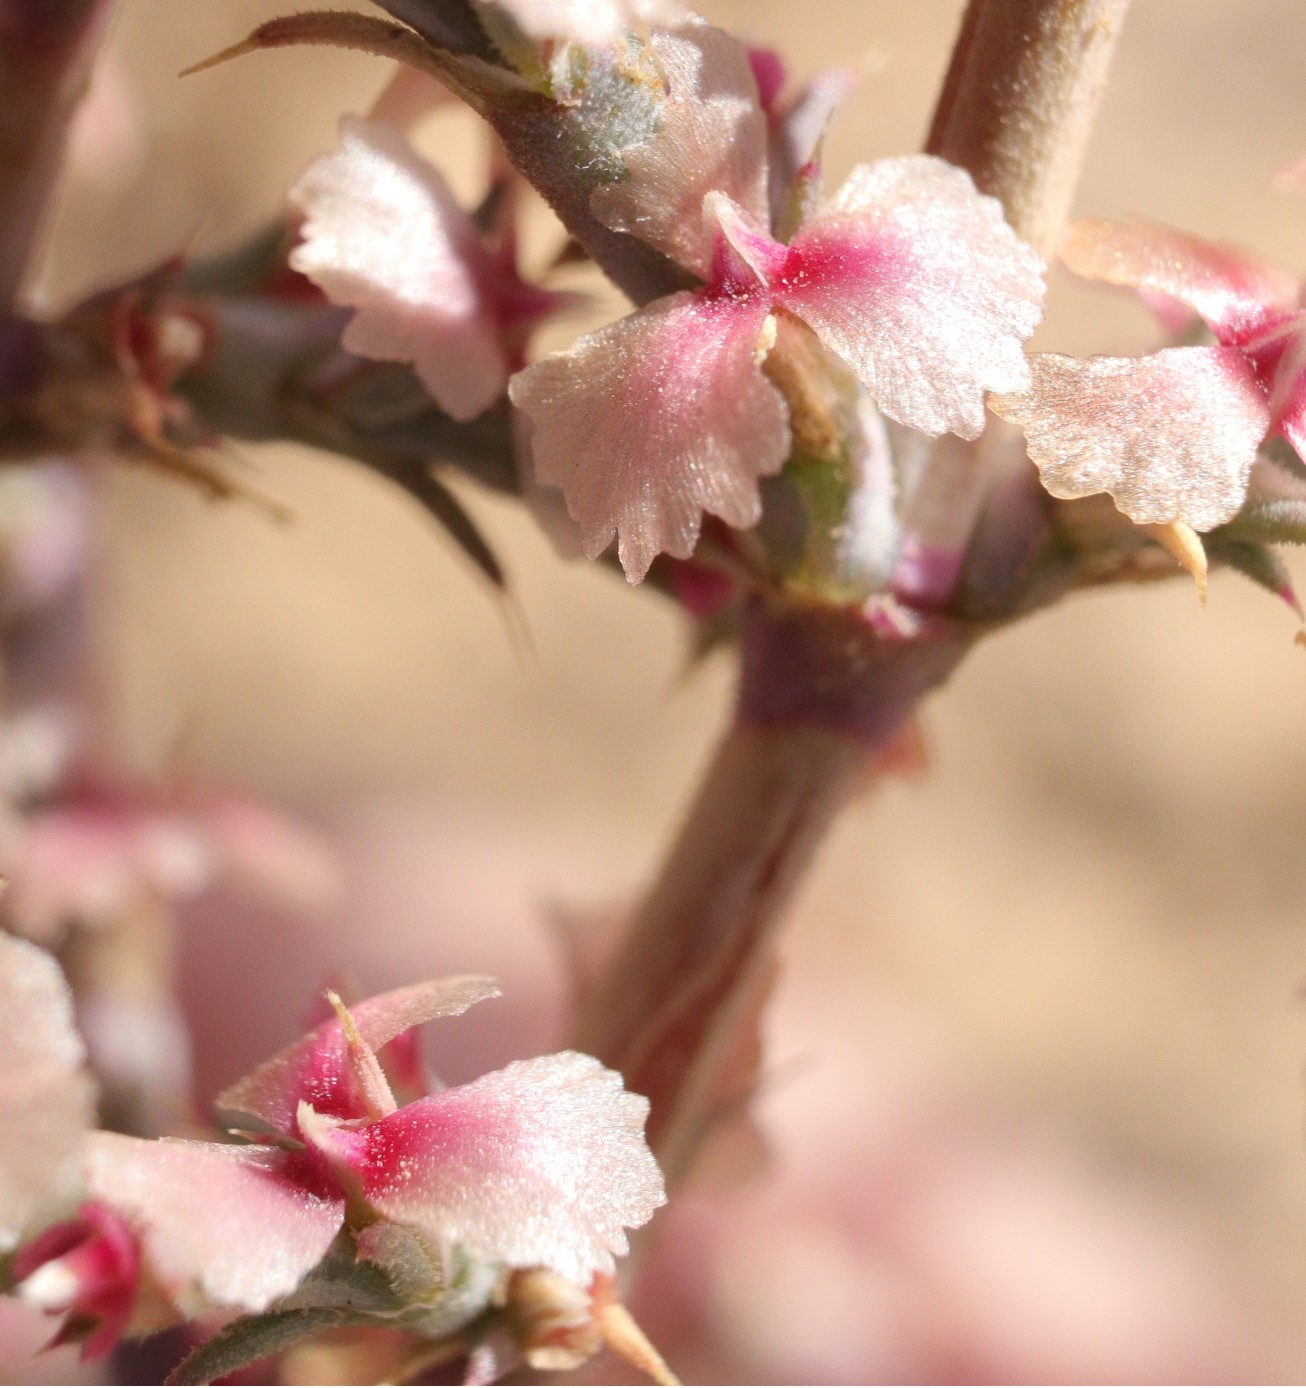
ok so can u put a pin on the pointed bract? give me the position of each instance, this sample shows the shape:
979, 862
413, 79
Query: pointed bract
383, 235
649, 422
1172, 436
316, 1068
1234, 292
46, 1099
542, 1163
221, 1224
712, 138
916, 280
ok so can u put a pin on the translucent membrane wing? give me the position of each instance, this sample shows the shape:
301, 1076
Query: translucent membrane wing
383, 235
1233, 291
1172, 437
1292, 415
316, 1068
1288, 393
221, 1225
541, 1164
588, 21
712, 138
917, 281
655, 419
46, 1101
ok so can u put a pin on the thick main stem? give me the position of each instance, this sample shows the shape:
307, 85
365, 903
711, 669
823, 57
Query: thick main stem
47, 50
702, 944
1016, 110
820, 697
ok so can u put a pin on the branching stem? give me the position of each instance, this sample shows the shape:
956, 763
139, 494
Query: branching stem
820, 693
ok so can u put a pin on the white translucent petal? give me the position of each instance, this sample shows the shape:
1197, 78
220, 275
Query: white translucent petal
1171, 437
918, 282
383, 235
221, 1225
541, 1164
46, 1100
653, 420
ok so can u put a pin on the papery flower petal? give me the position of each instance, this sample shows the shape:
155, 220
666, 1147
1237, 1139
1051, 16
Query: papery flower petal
542, 1163
221, 1225
1172, 436
1279, 359
651, 421
316, 1068
382, 234
46, 1099
712, 138
1233, 291
1290, 410
589, 21
918, 283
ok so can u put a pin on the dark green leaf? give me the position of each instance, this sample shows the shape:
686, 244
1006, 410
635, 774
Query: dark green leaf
421, 483
1254, 561
251, 1338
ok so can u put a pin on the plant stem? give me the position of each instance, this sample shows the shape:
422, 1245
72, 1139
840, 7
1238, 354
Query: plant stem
1016, 111
820, 697
820, 693
47, 50
1019, 102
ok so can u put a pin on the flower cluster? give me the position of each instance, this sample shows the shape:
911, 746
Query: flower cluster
907, 273
323, 1178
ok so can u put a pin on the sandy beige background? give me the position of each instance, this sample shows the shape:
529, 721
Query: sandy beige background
1094, 909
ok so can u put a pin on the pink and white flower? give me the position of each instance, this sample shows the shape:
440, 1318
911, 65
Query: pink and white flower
1171, 436
541, 1164
383, 235
907, 273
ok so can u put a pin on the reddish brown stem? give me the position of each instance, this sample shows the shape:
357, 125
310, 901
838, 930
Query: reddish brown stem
47, 49
820, 696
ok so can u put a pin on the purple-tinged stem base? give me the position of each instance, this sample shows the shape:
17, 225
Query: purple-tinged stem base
821, 696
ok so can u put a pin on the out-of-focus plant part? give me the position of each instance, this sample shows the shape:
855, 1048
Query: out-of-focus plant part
46, 1097
383, 235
